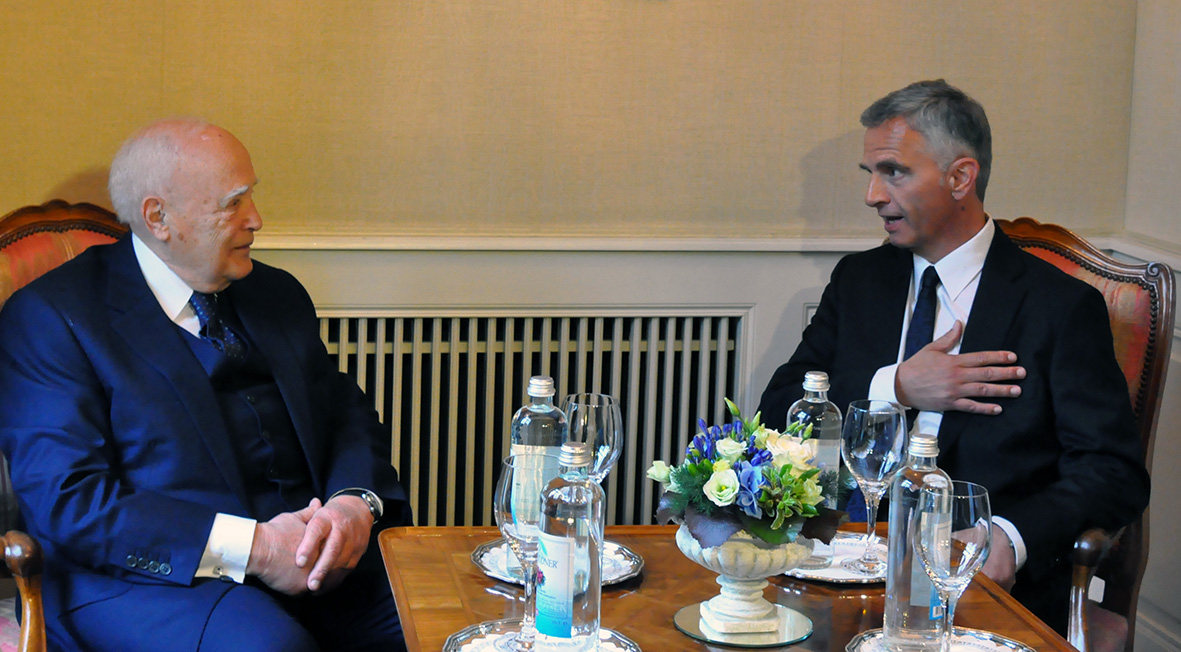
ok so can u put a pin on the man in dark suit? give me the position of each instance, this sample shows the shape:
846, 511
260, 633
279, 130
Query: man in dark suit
200, 475
1020, 383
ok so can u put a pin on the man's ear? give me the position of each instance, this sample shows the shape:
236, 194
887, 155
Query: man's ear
962, 174
152, 212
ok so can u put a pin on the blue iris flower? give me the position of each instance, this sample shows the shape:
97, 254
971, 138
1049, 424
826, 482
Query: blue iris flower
750, 482
760, 457
705, 445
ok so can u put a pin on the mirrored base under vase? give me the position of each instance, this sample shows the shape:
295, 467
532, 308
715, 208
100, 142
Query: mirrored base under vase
790, 626
740, 615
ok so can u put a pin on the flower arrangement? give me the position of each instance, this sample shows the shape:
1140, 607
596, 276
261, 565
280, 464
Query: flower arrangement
744, 476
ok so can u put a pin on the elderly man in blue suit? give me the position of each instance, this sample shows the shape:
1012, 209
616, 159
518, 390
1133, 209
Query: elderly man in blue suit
1006, 358
199, 473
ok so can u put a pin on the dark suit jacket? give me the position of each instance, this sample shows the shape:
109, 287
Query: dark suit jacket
1061, 457
117, 445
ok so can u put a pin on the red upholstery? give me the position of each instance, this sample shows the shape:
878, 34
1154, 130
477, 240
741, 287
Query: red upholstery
1140, 303
1127, 304
35, 239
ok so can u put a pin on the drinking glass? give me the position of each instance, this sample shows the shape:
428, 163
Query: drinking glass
518, 515
952, 535
597, 420
873, 442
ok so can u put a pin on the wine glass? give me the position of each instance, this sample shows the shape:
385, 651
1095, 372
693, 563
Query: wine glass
952, 536
518, 515
873, 442
596, 419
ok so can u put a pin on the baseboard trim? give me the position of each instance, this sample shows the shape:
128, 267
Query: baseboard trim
1156, 635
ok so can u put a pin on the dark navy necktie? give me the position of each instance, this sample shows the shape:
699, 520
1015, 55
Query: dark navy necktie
214, 329
922, 322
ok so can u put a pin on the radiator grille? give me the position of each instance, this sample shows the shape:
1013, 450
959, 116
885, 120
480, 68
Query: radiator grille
447, 388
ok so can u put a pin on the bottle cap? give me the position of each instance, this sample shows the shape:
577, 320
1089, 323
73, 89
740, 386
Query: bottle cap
576, 454
816, 381
540, 386
923, 444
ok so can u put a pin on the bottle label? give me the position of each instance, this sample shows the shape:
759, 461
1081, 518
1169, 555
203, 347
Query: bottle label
534, 471
555, 585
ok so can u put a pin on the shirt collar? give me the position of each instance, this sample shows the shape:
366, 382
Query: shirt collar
168, 288
958, 268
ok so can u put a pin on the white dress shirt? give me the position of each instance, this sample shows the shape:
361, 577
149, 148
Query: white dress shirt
959, 276
228, 549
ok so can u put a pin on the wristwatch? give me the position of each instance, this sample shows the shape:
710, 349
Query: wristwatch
372, 500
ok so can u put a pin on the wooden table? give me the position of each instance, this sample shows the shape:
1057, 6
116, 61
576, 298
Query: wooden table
440, 591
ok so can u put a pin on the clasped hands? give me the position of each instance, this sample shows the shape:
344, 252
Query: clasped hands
312, 549
933, 379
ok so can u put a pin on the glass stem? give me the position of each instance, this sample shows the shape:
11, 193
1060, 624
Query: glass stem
871, 512
528, 628
948, 619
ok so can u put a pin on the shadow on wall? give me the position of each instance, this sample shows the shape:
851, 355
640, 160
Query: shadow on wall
89, 186
830, 176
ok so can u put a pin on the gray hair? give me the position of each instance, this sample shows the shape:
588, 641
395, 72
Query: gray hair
952, 123
146, 162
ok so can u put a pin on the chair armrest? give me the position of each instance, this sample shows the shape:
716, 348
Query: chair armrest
23, 559
1090, 548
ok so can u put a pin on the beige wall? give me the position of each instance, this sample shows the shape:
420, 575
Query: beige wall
1152, 218
1153, 174
598, 117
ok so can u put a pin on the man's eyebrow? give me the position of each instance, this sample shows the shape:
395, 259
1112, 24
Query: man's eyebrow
887, 164
235, 193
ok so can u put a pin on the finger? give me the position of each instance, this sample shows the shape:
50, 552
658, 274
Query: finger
948, 340
988, 359
306, 513
989, 390
327, 562
319, 527
975, 407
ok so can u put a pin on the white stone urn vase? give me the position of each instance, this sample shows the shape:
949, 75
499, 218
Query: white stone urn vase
743, 564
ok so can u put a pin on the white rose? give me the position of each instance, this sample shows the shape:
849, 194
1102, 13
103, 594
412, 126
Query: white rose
659, 471
730, 450
722, 487
786, 449
813, 493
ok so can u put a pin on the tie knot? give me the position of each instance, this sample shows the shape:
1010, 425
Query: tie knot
205, 305
930, 278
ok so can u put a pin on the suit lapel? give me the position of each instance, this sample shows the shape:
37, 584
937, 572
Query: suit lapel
136, 316
888, 305
998, 299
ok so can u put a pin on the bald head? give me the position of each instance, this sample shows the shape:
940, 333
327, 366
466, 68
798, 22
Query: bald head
150, 161
185, 187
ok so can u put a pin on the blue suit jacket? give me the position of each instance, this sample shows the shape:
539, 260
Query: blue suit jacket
1062, 457
116, 442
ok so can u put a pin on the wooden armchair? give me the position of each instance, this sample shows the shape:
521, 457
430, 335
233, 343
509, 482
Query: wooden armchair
1140, 303
34, 240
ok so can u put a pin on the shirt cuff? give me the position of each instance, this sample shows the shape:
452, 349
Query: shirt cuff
1014, 536
228, 549
881, 387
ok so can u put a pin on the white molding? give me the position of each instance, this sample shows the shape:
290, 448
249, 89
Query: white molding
1153, 634
1139, 250
330, 311
326, 242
